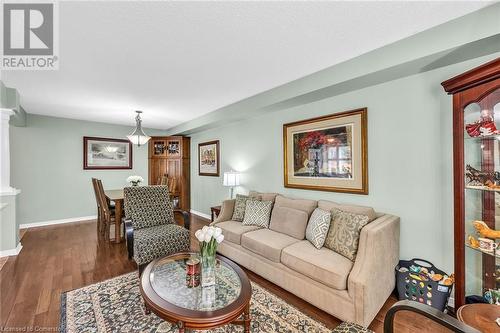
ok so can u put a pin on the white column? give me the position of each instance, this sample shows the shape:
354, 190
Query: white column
5, 151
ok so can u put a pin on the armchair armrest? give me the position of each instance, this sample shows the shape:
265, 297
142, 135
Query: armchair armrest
428, 312
129, 236
372, 278
226, 211
185, 217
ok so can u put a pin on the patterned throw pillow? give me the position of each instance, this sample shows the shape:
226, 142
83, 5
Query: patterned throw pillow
317, 228
343, 236
239, 207
258, 213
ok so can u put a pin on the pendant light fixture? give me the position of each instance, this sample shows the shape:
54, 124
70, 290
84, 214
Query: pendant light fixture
138, 137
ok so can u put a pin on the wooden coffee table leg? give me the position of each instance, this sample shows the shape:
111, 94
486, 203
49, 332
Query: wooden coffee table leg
147, 310
247, 318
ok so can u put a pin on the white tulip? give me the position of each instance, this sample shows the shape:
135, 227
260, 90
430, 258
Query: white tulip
219, 238
200, 235
207, 237
205, 228
210, 231
217, 232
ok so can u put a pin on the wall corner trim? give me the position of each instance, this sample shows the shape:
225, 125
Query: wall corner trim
61, 221
11, 252
206, 216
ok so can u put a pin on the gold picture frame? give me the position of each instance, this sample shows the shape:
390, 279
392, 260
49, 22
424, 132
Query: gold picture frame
328, 153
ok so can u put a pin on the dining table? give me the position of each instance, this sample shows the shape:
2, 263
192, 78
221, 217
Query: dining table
118, 197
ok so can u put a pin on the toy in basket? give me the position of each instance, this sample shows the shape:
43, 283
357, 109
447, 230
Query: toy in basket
420, 281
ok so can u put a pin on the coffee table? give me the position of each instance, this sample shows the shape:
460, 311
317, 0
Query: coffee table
163, 286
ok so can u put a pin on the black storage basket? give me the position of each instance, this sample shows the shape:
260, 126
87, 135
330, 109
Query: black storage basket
424, 291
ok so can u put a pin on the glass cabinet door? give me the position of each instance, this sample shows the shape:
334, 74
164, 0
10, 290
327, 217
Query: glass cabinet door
482, 195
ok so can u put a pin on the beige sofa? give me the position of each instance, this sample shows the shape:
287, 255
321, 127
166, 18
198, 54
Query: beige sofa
351, 291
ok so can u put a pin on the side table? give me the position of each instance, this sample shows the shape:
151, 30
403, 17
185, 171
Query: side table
214, 212
480, 316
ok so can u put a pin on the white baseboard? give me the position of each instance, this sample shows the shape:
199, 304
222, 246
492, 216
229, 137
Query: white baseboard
68, 220
208, 217
12, 252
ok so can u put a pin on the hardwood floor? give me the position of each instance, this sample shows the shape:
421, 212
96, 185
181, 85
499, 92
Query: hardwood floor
68, 256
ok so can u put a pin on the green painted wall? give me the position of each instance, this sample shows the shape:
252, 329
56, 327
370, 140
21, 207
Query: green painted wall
47, 165
409, 149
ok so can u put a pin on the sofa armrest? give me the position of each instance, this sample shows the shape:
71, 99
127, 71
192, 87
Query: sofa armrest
226, 211
372, 278
129, 236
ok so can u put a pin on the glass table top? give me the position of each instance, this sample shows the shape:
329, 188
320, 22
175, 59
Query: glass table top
168, 279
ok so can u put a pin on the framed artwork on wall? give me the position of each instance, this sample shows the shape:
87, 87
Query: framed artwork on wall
328, 153
209, 158
106, 153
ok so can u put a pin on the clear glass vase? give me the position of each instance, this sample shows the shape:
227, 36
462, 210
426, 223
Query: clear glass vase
207, 269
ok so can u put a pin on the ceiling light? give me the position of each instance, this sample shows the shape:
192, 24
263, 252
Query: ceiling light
138, 137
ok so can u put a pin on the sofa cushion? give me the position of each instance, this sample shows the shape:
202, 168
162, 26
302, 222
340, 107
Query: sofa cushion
301, 204
267, 243
159, 241
318, 226
257, 213
322, 265
232, 230
263, 196
360, 210
239, 207
289, 221
343, 236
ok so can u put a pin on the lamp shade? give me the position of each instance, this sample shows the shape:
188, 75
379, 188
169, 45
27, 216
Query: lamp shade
138, 137
231, 178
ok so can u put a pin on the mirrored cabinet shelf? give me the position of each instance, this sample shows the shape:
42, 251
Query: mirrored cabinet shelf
482, 188
476, 179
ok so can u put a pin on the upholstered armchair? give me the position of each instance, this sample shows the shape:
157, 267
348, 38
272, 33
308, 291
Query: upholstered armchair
150, 229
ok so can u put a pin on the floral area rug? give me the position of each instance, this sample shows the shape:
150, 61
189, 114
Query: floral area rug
116, 305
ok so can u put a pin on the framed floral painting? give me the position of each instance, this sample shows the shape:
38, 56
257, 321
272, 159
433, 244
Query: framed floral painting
208, 158
328, 153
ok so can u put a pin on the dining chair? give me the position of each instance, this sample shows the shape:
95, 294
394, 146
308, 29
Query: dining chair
172, 185
150, 228
163, 180
107, 212
98, 203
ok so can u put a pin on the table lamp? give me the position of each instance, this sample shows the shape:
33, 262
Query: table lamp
231, 179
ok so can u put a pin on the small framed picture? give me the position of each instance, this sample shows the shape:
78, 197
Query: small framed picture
106, 153
328, 153
209, 158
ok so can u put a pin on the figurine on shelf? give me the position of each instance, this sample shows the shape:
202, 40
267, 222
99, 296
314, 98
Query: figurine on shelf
474, 243
485, 126
476, 177
485, 231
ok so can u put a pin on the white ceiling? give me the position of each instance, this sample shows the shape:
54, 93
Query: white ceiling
179, 60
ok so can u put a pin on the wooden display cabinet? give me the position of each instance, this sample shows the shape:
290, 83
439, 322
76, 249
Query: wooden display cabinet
169, 155
476, 151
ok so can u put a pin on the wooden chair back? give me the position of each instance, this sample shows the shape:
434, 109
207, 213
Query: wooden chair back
172, 185
102, 198
163, 180
96, 192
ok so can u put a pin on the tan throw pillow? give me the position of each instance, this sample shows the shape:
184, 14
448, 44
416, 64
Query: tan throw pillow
343, 236
239, 207
317, 228
257, 213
